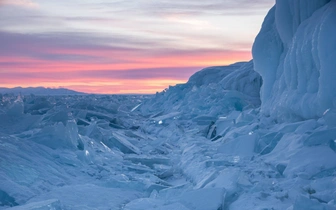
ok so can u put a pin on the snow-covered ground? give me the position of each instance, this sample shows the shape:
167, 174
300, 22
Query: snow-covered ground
210, 144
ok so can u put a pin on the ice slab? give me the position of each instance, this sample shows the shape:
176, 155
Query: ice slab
330, 117
89, 196
120, 141
227, 179
166, 116
200, 199
241, 146
153, 204
137, 106
266, 143
303, 202
16, 108
309, 162
323, 137
149, 161
59, 136
52, 204
6, 200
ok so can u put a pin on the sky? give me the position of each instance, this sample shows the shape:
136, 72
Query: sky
122, 46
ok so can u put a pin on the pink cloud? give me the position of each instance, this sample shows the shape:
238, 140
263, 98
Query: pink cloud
21, 3
33, 60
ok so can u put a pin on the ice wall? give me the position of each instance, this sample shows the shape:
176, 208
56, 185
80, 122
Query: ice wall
295, 53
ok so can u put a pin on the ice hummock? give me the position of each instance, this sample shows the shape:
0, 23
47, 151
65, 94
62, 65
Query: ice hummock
236, 87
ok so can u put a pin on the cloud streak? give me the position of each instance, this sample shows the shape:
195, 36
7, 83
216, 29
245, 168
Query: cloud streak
20, 3
150, 44
75, 60
166, 7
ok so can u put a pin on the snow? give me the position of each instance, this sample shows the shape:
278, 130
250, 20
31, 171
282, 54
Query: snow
212, 143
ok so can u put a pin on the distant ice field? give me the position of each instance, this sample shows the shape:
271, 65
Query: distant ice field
200, 145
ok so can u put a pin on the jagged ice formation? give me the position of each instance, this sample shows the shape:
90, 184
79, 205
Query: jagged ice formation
296, 57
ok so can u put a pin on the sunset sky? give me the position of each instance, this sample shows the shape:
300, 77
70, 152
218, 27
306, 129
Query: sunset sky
122, 46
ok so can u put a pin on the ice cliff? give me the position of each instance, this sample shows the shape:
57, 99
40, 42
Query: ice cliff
295, 55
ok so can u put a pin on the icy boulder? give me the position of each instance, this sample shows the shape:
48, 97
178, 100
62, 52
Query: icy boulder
295, 54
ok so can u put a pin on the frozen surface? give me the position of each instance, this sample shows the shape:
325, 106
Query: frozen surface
205, 145
52, 204
295, 55
208, 93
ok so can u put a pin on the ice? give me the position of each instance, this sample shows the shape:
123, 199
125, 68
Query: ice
166, 116
330, 117
240, 146
244, 80
195, 199
307, 126
88, 196
213, 74
13, 114
41, 91
6, 200
226, 179
212, 143
190, 199
251, 159
310, 162
148, 161
60, 116
17, 108
193, 98
323, 137
52, 204
137, 106
59, 136
293, 54
121, 142
38, 105
310, 204
152, 204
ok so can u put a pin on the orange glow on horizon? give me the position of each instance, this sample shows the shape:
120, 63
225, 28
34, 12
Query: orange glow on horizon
209, 59
38, 72
101, 48
107, 87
